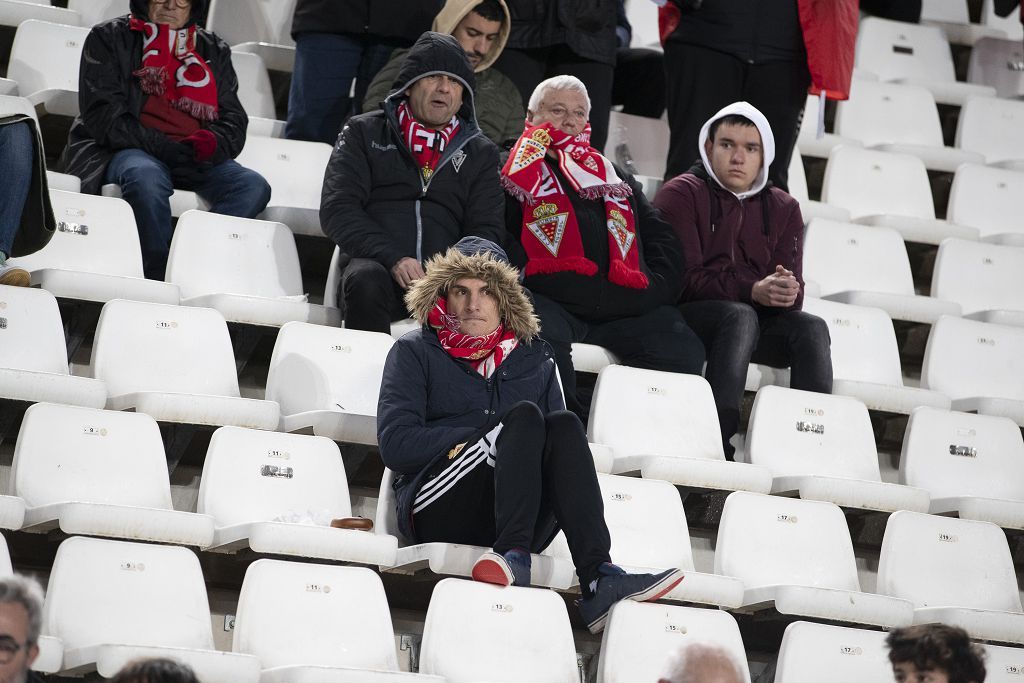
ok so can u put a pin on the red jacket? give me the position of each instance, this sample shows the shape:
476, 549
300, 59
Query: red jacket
725, 262
830, 31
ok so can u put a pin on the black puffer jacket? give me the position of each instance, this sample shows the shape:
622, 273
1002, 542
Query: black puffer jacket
404, 20
586, 26
755, 31
110, 99
374, 203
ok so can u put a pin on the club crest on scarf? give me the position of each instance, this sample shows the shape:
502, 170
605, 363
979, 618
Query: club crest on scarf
549, 226
619, 230
425, 144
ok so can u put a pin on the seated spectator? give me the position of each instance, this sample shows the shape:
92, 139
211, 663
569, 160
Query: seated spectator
702, 663
155, 671
26, 219
481, 27
406, 182
21, 619
159, 110
934, 653
340, 44
472, 421
603, 266
743, 255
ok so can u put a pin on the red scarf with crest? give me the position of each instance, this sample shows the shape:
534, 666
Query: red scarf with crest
171, 69
550, 233
426, 144
483, 353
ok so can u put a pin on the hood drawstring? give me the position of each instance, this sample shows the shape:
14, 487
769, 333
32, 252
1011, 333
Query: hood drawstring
715, 214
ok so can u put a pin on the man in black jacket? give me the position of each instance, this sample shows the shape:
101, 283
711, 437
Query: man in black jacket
407, 182
602, 264
159, 110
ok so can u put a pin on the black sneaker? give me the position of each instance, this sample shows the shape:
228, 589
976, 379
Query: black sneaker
614, 585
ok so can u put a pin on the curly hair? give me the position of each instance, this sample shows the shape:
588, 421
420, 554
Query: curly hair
938, 646
155, 671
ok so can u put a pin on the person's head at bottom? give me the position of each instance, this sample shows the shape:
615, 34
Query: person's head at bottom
934, 653
155, 671
702, 663
21, 618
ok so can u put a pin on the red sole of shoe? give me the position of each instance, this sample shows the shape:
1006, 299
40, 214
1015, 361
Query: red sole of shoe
490, 572
664, 591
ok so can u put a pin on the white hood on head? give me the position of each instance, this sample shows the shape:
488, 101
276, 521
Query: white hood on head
767, 144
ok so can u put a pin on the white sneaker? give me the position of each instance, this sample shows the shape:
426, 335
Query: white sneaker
14, 276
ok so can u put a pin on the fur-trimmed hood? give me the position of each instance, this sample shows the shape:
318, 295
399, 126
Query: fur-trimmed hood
502, 279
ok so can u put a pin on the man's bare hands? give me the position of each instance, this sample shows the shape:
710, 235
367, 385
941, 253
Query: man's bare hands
407, 271
779, 289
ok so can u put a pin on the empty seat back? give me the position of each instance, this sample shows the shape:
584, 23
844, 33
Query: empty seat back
768, 540
94, 12
880, 113
946, 562
215, 254
841, 257
992, 127
1010, 23
996, 62
979, 276
863, 342
251, 475
966, 359
868, 182
638, 411
954, 454
292, 613
898, 50
795, 433
254, 90
154, 347
325, 368
819, 652
294, 168
475, 630
31, 331
113, 592
66, 454
46, 56
12, 104
986, 198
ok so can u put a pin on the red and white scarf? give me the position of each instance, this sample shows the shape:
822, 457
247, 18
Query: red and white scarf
550, 233
426, 144
172, 69
484, 353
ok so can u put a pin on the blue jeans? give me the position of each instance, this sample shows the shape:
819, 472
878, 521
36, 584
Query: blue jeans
145, 181
325, 66
16, 161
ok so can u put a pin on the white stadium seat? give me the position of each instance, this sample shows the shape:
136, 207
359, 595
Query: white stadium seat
44, 61
174, 363
33, 355
328, 379
263, 27
1003, 664
315, 622
112, 602
646, 140
638, 414
867, 266
986, 280
94, 254
246, 269
477, 631
822, 447
180, 201
808, 142
972, 465
955, 571
1010, 24
256, 95
821, 652
986, 198
954, 20
12, 104
266, 490
640, 639
994, 62
99, 473
798, 189
887, 189
992, 127
592, 358
978, 365
647, 523
767, 542
92, 12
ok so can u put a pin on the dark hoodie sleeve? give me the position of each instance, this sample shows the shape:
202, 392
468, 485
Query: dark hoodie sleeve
789, 250
660, 245
407, 444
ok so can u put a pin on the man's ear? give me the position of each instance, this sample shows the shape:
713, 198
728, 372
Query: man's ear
708, 144
529, 116
32, 653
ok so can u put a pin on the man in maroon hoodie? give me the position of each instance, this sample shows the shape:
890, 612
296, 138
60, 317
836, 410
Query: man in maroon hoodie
742, 245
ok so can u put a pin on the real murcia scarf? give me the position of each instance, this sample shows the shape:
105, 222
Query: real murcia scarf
550, 232
171, 69
484, 353
426, 144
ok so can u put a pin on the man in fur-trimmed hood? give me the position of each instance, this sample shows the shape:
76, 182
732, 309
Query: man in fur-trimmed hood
471, 420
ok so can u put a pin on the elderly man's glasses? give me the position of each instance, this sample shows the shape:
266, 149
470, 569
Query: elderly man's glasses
8, 648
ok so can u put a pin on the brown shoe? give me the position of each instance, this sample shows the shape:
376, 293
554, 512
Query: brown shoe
360, 523
13, 276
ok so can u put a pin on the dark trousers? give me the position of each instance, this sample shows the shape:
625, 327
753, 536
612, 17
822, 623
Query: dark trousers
656, 340
370, 297
527, 68
699, 82
543, 479
639, 82
735, 334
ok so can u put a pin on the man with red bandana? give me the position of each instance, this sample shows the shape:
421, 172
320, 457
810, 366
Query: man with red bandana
159, 110
602, 265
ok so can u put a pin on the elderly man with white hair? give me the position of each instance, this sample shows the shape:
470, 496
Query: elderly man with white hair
603, 266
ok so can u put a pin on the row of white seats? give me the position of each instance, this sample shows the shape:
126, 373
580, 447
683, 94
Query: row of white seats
953, 17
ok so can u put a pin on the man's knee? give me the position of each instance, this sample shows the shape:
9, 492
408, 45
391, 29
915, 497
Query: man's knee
738, 321
675, 347
254, 191
365, 278
145, 176
814, 330
564, 424
524, 415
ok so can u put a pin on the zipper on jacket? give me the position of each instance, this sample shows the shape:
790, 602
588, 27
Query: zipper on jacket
419, 232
